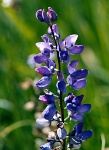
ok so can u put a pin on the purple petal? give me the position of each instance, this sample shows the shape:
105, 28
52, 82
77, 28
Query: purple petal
72, 66
40, 58
80, 74
44, 71
43, 99
42, 122
69, 80
55, 31
76, 49
52, 14
62, 45
42, 46
49, 112
83, 108
61, 85
42, 16
50, 64
62, 133
43, 82
79, 84
39, 15
47, 39
70, 40
78, 127
47, 98
60, 75
71, 107
69, 98
85, 135
77, 117
64, 56
45, 17
77, 100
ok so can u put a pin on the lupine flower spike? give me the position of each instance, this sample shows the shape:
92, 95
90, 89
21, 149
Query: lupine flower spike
76, 79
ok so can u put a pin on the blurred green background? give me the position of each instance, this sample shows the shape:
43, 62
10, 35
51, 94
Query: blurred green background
19, 31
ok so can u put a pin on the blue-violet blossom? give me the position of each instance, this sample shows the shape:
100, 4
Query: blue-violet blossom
76, 79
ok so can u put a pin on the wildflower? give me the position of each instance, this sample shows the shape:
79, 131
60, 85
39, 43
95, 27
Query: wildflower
70, 44
49, 112
48, 17
77, 136
76, 110
76, 78
47, 98
54, 28
46, 72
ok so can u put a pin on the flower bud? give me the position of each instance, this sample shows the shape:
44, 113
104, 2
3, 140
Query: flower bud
41, 15
52, 14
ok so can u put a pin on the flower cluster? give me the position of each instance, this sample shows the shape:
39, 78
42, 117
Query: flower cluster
76, 79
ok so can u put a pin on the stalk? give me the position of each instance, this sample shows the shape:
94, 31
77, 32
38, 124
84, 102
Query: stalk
60, 96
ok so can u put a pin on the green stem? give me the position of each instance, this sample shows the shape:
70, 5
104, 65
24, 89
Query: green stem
60, 96
14, 126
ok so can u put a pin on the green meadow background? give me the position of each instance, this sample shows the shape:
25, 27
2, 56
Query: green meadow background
19, 104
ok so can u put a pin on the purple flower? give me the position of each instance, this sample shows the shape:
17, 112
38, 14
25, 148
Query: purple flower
43, 82
76, 77
51, 64
60, 75
73, 102
61, 86
40, 58
70, 44
46, 72
46, 38
68, 47
48, 17
77, 136
55, 31
64, 56
76, 110
45, 52
44, 47
42, 16
52, 14
49, 112
47, 98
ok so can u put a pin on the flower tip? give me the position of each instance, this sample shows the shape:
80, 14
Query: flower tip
52, 14
39, 15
